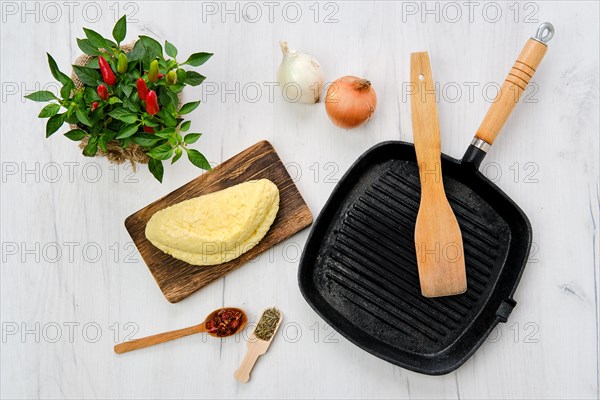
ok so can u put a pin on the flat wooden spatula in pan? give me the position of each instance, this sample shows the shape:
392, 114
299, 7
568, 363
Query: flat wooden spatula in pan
438, 240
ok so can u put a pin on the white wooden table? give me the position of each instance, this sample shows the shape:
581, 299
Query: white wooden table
73, 285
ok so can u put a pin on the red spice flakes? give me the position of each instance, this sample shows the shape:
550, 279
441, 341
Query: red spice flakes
225, 322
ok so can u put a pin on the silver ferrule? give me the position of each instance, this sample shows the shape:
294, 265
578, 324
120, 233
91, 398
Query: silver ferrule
481, 144
544, 33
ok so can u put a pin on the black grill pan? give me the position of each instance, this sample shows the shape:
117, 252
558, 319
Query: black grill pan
359, 271
359, 267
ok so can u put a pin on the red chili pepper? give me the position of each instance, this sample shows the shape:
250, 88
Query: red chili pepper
102, 92
148, 129
94, 106
160, 76
107, 74
152, 106
142, 88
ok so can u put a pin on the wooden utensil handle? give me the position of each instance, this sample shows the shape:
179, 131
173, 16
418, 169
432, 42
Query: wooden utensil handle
159, 338
515, 84
243, 372
426, 128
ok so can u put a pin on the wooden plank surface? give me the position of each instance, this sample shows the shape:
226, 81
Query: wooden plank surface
178, 279
52, 198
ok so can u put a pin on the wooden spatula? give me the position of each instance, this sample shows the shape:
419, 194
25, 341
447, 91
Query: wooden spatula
256, 348
438, 240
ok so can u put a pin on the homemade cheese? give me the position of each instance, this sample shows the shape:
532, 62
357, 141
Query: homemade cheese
217, 227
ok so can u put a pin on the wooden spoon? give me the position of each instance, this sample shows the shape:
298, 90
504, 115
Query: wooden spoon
167, 336
438, 240
256, 348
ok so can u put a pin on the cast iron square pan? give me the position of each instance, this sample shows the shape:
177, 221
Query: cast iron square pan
358, 270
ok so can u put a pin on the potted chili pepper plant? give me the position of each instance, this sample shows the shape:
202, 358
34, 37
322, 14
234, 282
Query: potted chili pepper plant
124, 101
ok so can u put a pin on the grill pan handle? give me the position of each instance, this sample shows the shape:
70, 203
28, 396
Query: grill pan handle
514, 85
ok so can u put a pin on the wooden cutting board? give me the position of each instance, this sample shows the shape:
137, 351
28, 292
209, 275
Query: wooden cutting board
178, 279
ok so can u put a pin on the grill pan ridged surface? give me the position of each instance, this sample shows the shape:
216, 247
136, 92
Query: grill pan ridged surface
359, 268
371, 266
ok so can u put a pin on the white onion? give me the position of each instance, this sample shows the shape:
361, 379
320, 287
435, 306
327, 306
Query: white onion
300, 76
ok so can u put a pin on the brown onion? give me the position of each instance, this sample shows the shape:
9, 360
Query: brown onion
350, 101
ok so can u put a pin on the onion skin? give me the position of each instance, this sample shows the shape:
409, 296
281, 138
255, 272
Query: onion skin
350, 101
303, 72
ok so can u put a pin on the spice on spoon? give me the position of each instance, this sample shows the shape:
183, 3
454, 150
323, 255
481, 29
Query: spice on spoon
267, 324
264, 332
219, 323
225, 322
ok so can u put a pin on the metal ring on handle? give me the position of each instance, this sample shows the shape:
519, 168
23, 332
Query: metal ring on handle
481, 144
544, 33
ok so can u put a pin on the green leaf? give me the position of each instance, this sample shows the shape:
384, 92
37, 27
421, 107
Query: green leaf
127, 90
93, 63
151, 123
49, 111
127, 130
109, 134
165, 133
132, 106
197, 59
65, 91
41, 95
59, 76
96, 39
125, 143
86, 46
189, 107
102, 143
171, 98
110, 44
167, 103
185, 126
198, 159
168, 119
146, 139
156, 167
192, 138
138, 52
193, 78
91, 148
162, 152
82, 117
70, 117
170, 49
178, 154
120, 29
88, 76
176, 87
181, 75
90, 95
54, 124
123, 115
76, 134
114, 100
153, 48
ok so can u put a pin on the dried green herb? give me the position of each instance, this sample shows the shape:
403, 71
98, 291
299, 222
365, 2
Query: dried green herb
267, 324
